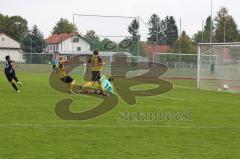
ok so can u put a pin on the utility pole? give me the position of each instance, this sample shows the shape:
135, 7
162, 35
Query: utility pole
156, 37
179, 44
202, 29
211, 32
211, 29
224, 32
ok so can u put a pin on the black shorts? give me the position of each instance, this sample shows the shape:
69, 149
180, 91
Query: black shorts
96, 76
10, 76
67, 79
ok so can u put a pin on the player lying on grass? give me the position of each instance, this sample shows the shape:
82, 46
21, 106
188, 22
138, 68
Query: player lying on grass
106, 85
65, 78
10, 73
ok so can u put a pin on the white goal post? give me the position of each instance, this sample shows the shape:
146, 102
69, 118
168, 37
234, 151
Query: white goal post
218, 66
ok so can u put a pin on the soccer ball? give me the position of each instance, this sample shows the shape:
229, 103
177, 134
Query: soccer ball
225, 87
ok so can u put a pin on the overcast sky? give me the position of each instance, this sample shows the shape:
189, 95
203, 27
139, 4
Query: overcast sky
45, 13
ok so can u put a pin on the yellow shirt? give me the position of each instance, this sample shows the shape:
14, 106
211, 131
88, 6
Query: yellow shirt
61, 73
96, 62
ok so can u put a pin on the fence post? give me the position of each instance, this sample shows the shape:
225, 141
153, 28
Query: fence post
198, 67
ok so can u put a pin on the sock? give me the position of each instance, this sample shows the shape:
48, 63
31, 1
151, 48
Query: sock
100, 86
71, 87
15, 87
15, 78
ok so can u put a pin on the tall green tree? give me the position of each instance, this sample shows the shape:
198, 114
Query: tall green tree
226, 27
103, 44
33, 42
198, 37
156, 33
208, 27
93, 39
13, 26
204, 35
134, 38
185, 43
64, 26
170, 30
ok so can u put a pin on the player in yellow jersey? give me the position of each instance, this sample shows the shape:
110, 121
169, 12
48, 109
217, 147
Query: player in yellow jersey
65, 78
96, 63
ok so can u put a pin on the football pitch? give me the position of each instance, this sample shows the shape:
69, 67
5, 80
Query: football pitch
30, 128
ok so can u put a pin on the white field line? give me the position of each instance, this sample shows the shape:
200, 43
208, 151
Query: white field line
119, 126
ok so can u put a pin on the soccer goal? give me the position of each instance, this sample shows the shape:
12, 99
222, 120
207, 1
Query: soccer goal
219, 66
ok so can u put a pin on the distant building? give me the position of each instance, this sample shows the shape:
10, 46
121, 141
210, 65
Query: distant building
11, 47
68, 43
153, 49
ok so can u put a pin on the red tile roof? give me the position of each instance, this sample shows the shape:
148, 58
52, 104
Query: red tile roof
152, 49
58, 38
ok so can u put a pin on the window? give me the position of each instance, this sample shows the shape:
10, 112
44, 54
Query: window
79, 49
50, 47
2, 39
76, 40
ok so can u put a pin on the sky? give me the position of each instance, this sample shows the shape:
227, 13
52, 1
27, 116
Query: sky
45, 13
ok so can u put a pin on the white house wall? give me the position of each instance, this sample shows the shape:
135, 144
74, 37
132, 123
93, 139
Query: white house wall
69, 46
8, 46
7, 42
14, 54
52, 48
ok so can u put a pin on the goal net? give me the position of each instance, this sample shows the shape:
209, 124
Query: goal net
219, 67
180, 66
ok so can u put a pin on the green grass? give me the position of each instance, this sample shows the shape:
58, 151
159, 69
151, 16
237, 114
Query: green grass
29, 127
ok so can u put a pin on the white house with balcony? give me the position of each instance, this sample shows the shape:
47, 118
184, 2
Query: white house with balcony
67, 43
11, 47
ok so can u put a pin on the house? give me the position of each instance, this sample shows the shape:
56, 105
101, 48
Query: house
11, 47
69, 43
153, 49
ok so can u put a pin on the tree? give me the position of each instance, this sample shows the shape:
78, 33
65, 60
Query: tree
156, 34
207, 28
186, 44
170, 30
33, 42
198, 37
134, 39
103, 43
226, 27
186, 47
14, 26
64, 26
204, 36
93, 39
